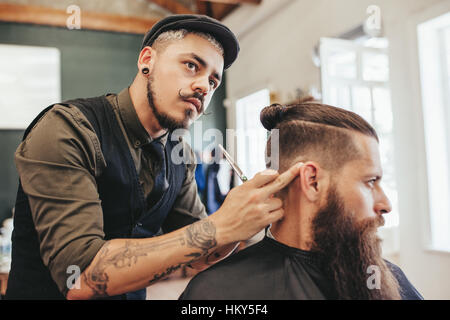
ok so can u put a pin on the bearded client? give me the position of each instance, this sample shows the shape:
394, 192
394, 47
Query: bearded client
326, 246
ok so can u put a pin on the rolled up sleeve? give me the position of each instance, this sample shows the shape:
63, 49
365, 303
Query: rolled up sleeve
57, 165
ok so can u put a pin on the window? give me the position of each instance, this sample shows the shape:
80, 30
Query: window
355, 76
434, 57
250, 134
29, 81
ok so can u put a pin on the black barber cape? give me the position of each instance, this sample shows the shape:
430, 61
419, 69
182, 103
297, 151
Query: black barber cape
270, 270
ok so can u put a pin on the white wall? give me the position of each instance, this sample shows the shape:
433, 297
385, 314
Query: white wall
276, 53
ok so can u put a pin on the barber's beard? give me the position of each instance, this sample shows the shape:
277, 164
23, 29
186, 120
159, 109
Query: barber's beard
165, 120
349, 249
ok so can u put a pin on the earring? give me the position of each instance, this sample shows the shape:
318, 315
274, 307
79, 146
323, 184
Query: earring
145, 70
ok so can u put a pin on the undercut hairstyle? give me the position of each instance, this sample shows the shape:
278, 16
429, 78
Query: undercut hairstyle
309, 130
165, 38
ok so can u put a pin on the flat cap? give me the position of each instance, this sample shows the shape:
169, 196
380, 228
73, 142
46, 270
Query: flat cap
200, 23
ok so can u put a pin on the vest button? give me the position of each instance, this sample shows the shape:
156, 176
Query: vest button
137, 143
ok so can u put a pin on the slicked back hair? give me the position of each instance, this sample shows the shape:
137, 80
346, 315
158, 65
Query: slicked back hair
312, 129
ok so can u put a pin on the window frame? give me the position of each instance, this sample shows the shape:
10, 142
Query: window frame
428, 33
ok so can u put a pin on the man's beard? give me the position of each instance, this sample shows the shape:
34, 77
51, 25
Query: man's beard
349, 249
164, 120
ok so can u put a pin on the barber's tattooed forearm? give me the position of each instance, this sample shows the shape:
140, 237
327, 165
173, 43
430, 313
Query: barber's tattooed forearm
126, 256
200, 235
212, 258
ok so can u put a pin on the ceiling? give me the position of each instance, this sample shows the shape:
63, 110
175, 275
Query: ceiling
106, 15
217, 9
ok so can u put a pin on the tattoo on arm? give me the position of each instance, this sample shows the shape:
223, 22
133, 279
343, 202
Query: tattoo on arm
200, 235
97, 279
212, 257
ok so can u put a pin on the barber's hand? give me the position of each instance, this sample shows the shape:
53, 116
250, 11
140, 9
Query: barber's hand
251, 207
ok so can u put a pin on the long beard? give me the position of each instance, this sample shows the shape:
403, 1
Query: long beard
164, 120
352, 253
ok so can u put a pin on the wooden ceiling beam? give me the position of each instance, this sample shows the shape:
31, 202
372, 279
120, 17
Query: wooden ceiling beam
201, 6
173, 6
89, 20
221, 10
235, 1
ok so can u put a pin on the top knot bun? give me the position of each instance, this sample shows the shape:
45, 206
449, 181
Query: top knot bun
271, 116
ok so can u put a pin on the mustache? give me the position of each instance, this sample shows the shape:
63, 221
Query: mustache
196, 95
372, 224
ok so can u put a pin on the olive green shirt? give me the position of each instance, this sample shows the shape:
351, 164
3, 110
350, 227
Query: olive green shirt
58, 164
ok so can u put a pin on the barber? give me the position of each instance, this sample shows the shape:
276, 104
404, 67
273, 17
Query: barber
101, 194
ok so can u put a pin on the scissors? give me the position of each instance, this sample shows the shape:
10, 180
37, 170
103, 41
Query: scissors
233, 164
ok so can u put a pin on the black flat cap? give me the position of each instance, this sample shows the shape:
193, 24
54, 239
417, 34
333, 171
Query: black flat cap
201, 23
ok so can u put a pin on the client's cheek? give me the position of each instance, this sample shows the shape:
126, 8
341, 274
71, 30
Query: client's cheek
362, 203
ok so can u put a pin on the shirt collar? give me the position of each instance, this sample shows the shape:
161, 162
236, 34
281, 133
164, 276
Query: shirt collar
137, 134
268, 233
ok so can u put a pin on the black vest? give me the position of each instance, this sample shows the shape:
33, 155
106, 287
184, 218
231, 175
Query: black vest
126, 213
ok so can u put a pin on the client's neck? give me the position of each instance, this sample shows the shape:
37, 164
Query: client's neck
294, 229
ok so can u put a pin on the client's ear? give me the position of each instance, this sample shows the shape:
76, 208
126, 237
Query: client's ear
309, 181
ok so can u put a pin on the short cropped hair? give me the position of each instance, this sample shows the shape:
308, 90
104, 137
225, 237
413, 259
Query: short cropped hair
165, 38
315, 131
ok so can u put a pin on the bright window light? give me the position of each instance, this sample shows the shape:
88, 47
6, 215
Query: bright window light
251, 135
29, 81
434, 55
